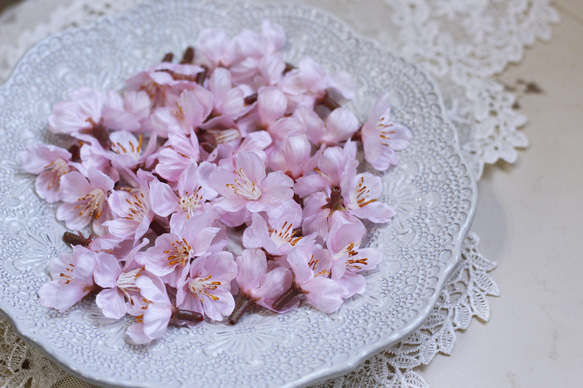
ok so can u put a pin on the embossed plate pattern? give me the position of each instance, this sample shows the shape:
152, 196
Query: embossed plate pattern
431, 189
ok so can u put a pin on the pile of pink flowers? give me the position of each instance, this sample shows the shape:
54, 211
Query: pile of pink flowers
225, 180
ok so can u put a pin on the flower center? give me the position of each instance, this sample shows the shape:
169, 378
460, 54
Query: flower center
91, 204
58, 168
127, 280
285, 234
131, 149
67, 276
385, 131
200, 287
359, 195
181, 252
223, 136
190, 203
137, 207
244, 186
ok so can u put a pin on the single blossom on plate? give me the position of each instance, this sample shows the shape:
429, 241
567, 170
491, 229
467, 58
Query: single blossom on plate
118, 282
381, 136
246, 185
279, 233
191, 198
131, 209
72, 275
51, 163
311, 265
208, 288
173, 253
349, 259
85, 200
154, 315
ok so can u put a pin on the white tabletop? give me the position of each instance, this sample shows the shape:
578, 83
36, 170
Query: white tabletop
529, 219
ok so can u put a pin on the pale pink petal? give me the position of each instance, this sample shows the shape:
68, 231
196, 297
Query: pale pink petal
324, 294
274, 284
298, 259
107, 270
341, 124
163, 199
111, 301
252, 265
272, 104
273, 36
136, 334
52, 295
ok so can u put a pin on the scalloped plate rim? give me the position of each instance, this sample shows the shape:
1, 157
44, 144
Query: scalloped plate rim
321, 374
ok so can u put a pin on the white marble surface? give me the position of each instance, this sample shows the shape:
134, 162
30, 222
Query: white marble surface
529, 219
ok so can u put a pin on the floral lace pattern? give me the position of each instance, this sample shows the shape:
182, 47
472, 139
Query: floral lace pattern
462, 45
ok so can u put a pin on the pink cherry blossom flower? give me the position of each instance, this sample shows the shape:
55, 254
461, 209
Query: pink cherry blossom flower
311, 267
155, 315
129, 151
279, 235
72, 275
381, 137
173, 253
127, 113
293, 156
131, 209
217, 48
190, 110
228, 101
356, 196
208, 288
193, 199
360, 194
248, 186
118, 283
85, 200
340, 125
334, 163
51, 163
84, 111
309, 84
180, 150
164, 81
349, 259
257, 284
256, 50
317, 82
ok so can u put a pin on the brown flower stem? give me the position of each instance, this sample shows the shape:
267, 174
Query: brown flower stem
286, 297
168, 57
187, 315
77, 239
242, 306
75, 152
250, 99
188, 56
200, 77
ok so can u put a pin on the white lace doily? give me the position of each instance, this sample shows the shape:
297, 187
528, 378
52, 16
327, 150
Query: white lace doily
462, 44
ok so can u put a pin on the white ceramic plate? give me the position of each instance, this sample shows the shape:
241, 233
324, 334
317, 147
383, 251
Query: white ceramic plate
431, 189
